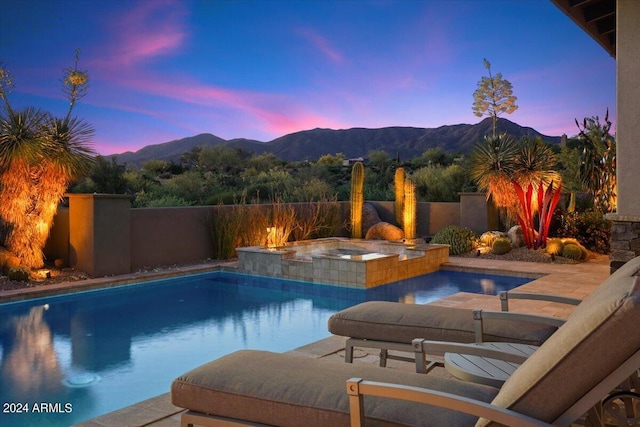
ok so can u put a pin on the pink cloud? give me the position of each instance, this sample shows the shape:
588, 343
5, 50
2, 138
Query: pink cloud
151, 29
321, 44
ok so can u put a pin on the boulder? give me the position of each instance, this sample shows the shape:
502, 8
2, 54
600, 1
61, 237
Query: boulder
384, 231
516, 236
369, 217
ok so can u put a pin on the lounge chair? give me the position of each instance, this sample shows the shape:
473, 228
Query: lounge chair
568, 376
393, 326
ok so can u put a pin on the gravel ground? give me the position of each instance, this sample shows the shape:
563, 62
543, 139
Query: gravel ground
57, 276
524, 254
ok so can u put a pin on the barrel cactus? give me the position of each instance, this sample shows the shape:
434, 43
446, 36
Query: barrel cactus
554, 246
572, 251
583, 251
19, 274
501, 246
459, 239
357, 199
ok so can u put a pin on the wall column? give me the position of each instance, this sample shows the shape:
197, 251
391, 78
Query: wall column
100, 233
478, 213
625, 239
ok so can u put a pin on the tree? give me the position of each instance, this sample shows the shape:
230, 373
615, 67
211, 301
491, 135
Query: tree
598, 162
40, 155
494, 96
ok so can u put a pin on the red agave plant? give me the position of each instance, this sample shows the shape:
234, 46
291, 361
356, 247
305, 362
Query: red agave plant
546, 203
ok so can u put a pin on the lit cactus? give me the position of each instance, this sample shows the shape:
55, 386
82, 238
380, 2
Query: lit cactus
357, 199
398, 183
409, 211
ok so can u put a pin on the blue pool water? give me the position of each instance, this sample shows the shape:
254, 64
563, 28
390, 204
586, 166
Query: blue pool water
69, 358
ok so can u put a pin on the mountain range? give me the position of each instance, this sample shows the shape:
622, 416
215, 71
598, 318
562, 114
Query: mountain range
403, 142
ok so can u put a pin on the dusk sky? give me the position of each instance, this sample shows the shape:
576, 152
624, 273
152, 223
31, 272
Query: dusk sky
162, 70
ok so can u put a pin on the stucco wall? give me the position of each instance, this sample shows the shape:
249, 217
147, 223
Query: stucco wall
167, 236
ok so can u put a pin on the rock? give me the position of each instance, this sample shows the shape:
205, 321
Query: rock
384, 231
369, 217
516, 236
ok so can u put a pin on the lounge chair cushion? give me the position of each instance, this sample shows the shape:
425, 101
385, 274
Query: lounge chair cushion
397, 322
289, 390
598, 336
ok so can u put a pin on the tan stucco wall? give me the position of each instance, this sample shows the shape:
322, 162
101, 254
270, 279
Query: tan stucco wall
104, 236
628, 106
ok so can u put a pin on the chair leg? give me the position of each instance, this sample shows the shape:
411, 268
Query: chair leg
383, 357
348, 352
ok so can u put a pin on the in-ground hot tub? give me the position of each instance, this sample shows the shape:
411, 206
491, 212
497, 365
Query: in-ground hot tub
341, 261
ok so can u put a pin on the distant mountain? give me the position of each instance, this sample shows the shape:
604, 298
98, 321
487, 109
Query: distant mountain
406, 142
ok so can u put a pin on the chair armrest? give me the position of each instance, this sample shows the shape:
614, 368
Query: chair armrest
357, 388
505, 296
480, 315
422, 347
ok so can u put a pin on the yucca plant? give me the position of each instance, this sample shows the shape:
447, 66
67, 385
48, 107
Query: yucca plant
497, 162
39, 156
492, 167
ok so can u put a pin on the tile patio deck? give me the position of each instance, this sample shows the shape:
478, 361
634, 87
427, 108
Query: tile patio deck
575, 280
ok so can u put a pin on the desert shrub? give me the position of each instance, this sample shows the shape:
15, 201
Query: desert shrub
501, 246
572, 251
554, 246
19, 274
589, 228
459, 239
316, 220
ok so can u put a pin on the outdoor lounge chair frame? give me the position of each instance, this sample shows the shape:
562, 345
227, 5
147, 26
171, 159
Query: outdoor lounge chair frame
420, 360
589, 403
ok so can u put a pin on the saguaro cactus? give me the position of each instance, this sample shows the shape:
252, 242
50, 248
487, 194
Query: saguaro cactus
398, 183
357, 199
409, 211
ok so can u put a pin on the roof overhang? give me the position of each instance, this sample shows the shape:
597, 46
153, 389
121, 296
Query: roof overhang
596, 17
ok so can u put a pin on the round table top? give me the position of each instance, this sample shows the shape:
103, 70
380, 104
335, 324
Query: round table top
485, 370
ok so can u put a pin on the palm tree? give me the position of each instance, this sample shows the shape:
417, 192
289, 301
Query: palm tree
40, 155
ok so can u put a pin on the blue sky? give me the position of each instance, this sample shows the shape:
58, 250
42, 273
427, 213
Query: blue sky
162, 70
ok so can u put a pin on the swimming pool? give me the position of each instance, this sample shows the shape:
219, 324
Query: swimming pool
69, 358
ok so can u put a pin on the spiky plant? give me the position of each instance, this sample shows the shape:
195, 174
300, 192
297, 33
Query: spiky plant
497, 162
398, 185
357, 199
535, 163
39, 156
410, 209
492, 166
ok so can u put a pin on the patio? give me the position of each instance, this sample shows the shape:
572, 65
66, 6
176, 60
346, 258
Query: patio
574, 280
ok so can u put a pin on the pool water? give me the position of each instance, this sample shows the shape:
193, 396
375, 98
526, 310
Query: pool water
69, 358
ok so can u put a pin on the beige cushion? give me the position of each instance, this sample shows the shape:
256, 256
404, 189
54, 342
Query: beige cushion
397, 322
599, 335
288, 390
